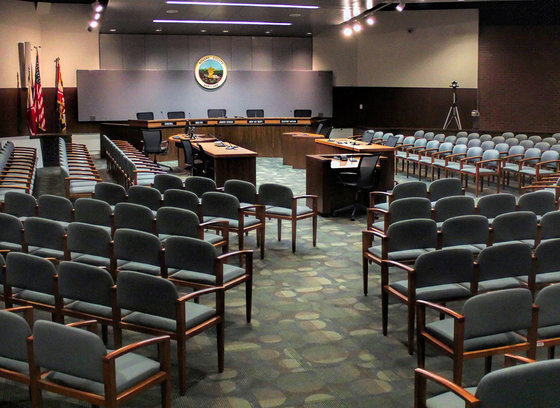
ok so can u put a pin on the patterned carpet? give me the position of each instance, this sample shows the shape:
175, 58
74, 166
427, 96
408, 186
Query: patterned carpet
314, 341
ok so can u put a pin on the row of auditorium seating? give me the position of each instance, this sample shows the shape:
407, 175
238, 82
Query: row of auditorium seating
127, 165
77, 168
540, 203
18, 169
133, 301
219, 113
452, 274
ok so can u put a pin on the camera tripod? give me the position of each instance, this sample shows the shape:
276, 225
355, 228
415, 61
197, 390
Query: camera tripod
453, 111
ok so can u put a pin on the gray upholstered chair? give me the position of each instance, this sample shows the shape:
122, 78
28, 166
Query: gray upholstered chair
217, 206
493, 205
547, 265
548, 333
486, 326
14, 331
504, 266
56, 208
184, 223
110, 192
399, 210
472, 156
488, 166
146, 196
281, 204
546, 166
164, 182
549, 226
515, 226
401, 190
453, 206
94, 212
45, 238
442, 158
414, 153
538, 202
245, 191
195, 264
11, 233
73, 362
134, 216
138, 251
200, 185
89, 244
445, 187
465, 231
530, 385
428, 157
36, 281
89, 293
157, 310
21, 205
435, 277
403, 242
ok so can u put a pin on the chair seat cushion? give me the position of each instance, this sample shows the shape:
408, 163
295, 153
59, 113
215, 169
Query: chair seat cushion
400, 255
212, 238
139, 267
130, 369
233, 224
231, 272
195, 314
82, 186
475, 249
21, 367
448, 400
453, 166
543, 278
37, 297
46, 252
10, 246
91, 259
498, 284
443, 330
382, 206
437, 293
287, 212
92, 308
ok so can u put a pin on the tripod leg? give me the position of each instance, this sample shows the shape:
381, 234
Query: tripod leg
448, 120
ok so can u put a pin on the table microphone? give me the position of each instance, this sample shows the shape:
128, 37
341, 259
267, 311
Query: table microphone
163, 117
303, 133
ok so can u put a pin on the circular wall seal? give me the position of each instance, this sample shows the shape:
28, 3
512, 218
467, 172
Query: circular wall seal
210, 72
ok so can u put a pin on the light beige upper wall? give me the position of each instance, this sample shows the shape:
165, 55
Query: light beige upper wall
60, 30
441, 47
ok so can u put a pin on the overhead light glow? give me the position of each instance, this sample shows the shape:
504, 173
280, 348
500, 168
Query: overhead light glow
97, 7
370, 20
347, 31
93, 24
97, 16
401, 5
222, 22
217, 3
357, 27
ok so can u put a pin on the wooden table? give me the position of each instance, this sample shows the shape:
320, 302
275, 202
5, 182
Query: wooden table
237, 163
297, 145
321, 180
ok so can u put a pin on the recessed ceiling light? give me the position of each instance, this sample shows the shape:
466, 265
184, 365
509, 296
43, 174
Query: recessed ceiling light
113, 30
267, 32
202, 31
295, 15
158, 30
309, 33
217, 3
225, 31
172, 11
222, 22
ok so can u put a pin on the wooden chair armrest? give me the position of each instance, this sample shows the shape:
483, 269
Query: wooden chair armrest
470, 158
487, 161
539, 164
511, 360
198, 293
247, 253
135, 346
512, 156
421, 376
407, 268
439, 308
84, 178
374, 233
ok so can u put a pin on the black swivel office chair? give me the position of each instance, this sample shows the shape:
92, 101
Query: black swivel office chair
358, 182
319, 128
255, 113
176, 115
145, 115
192, 161
152, 144
302, 113
208, 162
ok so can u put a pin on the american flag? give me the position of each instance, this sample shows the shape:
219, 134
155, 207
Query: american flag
38, 94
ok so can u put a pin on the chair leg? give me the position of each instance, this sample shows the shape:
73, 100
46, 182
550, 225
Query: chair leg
294, 231
248, 299
262, 240
457, 369
220, 328
365, 275
181, 357
487, 364
279, 229
315, 230
411, 319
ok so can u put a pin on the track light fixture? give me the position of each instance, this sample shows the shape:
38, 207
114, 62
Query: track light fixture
347, 31
370, 20
357, 27
98, 9
401, 5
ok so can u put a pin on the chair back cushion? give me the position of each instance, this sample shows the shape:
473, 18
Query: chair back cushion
186, 200
177, 221
509, 259
14, 332
498, 312
85, 283
275, 195
222, 205
190, 254
31, 272
146, 294
410, 189
68, 350
245, 191
452, 265
412, 234
93, 211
